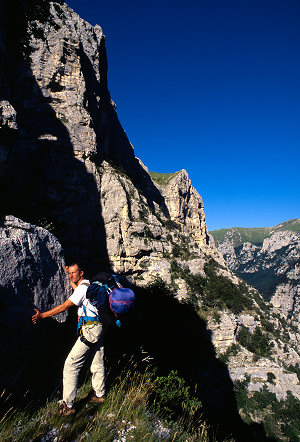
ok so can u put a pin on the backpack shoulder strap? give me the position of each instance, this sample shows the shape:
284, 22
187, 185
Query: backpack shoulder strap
117, 280
99, 283
108, 289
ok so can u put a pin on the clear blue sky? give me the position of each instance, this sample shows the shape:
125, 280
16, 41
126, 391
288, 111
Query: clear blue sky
213, 87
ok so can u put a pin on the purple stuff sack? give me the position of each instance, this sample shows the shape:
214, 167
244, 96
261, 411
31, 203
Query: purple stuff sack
121, 300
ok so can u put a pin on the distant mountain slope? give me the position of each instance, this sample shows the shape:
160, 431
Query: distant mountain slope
254, 235
269, 260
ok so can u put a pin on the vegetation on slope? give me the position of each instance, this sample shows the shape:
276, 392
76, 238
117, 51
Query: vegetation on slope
256, 235
138, 407
281, 418
162, 178
257, 342
214, 291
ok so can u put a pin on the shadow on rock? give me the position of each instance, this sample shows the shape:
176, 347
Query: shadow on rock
41, 180
115, 146
172, 336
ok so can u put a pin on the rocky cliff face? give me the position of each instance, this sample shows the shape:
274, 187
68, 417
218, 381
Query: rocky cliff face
31, 267
272, 266
268, 259
31, 275
67, 165
142, 238
62, 146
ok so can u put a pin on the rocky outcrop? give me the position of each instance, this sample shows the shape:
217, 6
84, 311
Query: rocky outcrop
242, 363
271, 266
31, 274
69, 158
286, 300
142, 238
66, 163
264, 372
31, 268
185, 206
7, 116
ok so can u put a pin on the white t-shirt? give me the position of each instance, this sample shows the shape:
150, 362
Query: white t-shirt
78, 298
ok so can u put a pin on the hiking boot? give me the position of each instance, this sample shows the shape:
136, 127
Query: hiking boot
64, 410
97, 399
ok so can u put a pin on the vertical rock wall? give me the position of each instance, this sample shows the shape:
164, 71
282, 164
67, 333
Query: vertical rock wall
58, 127
31, 274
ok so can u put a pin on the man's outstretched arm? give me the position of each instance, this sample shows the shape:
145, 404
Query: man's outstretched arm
54, 311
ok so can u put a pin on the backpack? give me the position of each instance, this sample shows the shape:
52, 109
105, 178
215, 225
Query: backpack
111, 298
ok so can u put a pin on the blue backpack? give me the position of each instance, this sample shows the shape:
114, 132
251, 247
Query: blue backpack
111, 299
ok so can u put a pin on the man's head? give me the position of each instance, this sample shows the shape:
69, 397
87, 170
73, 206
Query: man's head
75, 273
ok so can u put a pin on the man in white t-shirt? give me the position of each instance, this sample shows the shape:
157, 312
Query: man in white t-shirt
90, 340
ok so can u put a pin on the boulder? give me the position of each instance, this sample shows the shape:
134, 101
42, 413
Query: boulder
31, 275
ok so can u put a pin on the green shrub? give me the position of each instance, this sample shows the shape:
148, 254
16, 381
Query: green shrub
267, 325
256, 342
295, 369
271, 377
217, 316
182, 251
221, 292
260, 302
158, 285
281, 419
179, 271
147, 233
63, 119
171, 225
231, 351
118, 168
176, 250
173, 396
127, 414
214, 291
46, 224
290, 415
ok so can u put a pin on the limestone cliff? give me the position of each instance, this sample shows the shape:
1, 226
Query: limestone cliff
31, 275
268, 259
142, 238
62, 147
67, 165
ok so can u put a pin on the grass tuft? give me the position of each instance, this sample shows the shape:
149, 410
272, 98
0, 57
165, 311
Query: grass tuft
127, 414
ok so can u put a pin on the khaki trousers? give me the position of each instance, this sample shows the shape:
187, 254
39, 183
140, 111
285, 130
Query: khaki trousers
76, 359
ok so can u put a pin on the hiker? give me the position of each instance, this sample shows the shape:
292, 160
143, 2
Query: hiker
90, 339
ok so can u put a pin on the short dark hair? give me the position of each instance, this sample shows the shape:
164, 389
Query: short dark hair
78, 264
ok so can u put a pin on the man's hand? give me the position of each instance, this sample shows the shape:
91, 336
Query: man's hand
37, 316
54, 311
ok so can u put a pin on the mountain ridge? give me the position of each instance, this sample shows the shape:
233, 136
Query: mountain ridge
271, 266
255, 235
